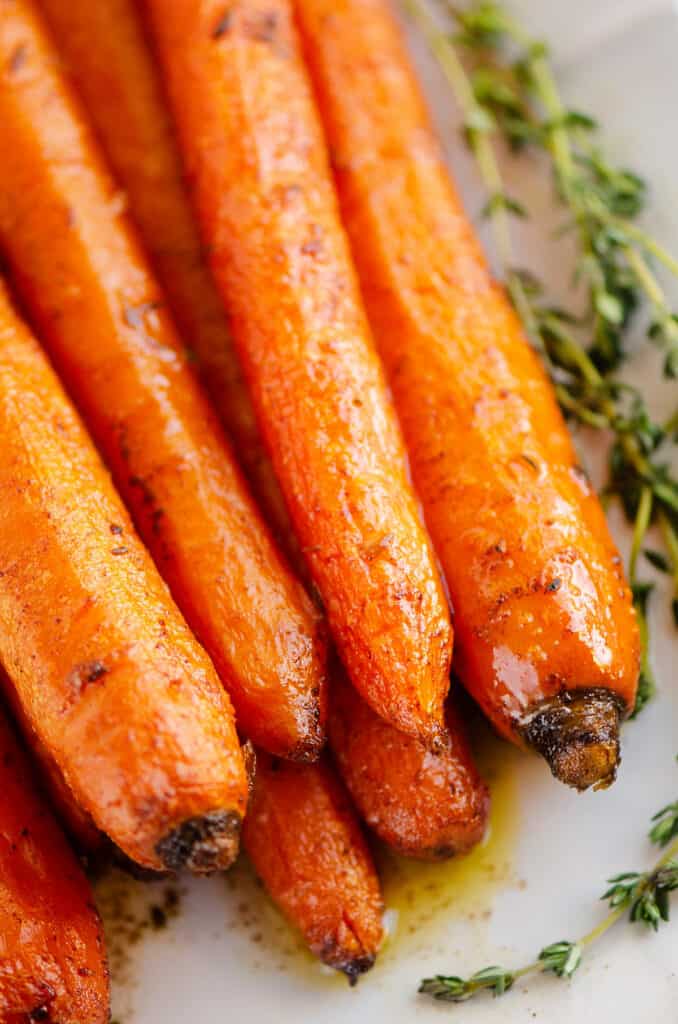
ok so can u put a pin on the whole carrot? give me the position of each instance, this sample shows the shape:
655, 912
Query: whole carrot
305, 843
104, 667
254, 152
546, 636
88, 289
106, 55
52, 959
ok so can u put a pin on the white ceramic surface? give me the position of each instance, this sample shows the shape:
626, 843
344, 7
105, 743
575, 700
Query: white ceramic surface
228, 956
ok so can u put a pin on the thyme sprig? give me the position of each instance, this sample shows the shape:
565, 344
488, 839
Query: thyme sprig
642, 897
506, 90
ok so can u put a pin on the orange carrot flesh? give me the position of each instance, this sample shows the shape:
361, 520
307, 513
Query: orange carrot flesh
106, 55
546, 636
305, 842
254, 152
53, 964
87, 288
104, 667
425, 805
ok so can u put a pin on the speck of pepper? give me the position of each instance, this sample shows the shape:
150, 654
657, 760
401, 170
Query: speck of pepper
39, 1013
115, 529
89, 672
119, 551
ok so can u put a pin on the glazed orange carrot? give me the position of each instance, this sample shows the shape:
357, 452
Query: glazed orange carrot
254, 152
86, 286
546, 637
52, 959
104, 667
425, 805
305, 842
105, 52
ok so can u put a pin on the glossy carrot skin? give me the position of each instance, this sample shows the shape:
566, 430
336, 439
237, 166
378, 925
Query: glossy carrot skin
87, 287
305, 843
52, 959
540, 600
104, 667
425, 805
108, 59
254, 153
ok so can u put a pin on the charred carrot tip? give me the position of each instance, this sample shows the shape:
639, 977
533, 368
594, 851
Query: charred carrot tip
577, 733
204, 844
355, 967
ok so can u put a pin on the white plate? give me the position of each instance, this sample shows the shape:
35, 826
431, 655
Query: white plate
227, 953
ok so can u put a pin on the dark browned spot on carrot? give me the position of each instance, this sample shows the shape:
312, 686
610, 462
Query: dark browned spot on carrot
42, 1012
222, 25
83, 675
332, 955
115, 529
577, 733
119, 551
554, 585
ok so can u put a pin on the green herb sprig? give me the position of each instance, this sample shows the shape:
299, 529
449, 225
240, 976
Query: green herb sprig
508, 91
641, 897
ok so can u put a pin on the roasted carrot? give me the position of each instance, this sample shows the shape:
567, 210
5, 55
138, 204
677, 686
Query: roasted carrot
88, 289
546, 636
305, 842
104, 667
254, 152
52, 959
107, 56
425, 805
